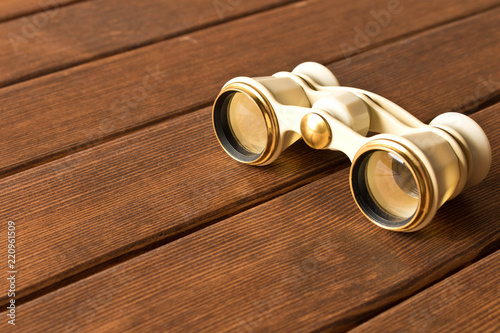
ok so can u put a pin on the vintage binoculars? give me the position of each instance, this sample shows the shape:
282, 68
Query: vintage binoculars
402, 169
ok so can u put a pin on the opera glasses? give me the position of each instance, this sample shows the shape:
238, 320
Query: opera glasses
402, 169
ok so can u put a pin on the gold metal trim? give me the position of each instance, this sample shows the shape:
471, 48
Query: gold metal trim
273, 131
315, 131
427, 205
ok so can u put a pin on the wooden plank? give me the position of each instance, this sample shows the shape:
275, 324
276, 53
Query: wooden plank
102, 99
14, 8
40, 44
468, 301
135, 191
305, 261
158, 182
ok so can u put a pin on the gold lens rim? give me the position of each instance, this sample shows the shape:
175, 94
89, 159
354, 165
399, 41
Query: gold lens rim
270, 118
427, 204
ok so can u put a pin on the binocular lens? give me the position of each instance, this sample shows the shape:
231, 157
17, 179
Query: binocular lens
246, 122
386, 188
241, 125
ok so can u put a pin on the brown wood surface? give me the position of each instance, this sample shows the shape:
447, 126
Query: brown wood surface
94, 29
14, 8
468, 301
305, 261
158, 182
130, 217
141, 189
81, 106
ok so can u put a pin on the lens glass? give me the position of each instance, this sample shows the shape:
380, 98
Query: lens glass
391, 185
247, 123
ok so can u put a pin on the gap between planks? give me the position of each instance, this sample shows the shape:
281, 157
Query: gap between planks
468, 295
146, 42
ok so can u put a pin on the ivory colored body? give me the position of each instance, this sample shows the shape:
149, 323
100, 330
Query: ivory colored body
444, 157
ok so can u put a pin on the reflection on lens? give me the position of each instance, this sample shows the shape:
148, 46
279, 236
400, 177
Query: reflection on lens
247, 123
391, 185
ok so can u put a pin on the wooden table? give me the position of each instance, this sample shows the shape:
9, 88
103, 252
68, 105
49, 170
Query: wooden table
129, 216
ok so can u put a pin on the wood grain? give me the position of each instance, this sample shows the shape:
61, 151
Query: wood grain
82, 107
305, 261
14, 8
468, 301
135, 191
159, 182
86, 31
